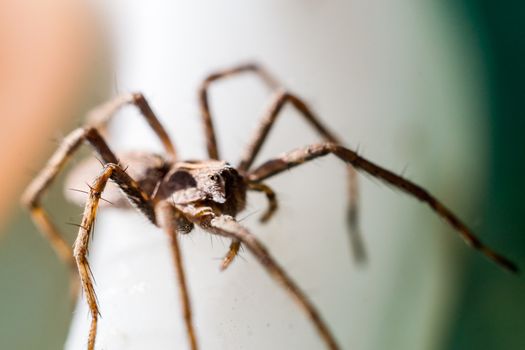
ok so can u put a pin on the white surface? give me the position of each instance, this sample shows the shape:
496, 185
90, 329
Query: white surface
385, 76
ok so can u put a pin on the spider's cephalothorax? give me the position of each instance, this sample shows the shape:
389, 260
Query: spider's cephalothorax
177, 195
208, 184
205, 183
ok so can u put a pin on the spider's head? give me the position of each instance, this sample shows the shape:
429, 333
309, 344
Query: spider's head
221, 182
214, 185
210, 183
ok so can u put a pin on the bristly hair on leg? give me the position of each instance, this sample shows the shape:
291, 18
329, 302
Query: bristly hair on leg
305, 154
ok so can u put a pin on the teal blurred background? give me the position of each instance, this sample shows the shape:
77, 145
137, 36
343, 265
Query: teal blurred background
490, 311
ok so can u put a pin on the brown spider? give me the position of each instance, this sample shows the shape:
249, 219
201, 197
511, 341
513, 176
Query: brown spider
177, 195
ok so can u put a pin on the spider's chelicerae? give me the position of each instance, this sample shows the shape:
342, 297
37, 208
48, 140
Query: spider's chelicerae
176, 195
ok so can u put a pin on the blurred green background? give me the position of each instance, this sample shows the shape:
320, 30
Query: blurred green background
490, 311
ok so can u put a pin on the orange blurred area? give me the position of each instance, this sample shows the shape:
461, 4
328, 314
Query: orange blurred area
47, 50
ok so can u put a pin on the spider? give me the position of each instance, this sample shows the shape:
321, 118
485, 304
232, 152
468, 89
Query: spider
177, 195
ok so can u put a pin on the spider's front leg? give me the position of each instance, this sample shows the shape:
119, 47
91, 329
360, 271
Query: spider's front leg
80, 249
227, 226
97, 118
235, 245
32, 197
302, 155
280, 98
270, 196
166, 215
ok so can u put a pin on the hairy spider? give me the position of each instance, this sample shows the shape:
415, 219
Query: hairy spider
176, 195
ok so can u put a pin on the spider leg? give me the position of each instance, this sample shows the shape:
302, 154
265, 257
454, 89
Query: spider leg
302, 155
166, 214
278, 101
33, 194
100, 116
80, 249
59, 244
235, 246
270, 196
207, 120
272, 207
280, 98
226, 226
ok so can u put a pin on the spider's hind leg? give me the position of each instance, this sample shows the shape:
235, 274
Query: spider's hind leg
100, 117
206, 114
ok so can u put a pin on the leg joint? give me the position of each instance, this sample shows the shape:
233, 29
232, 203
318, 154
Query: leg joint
137, 97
